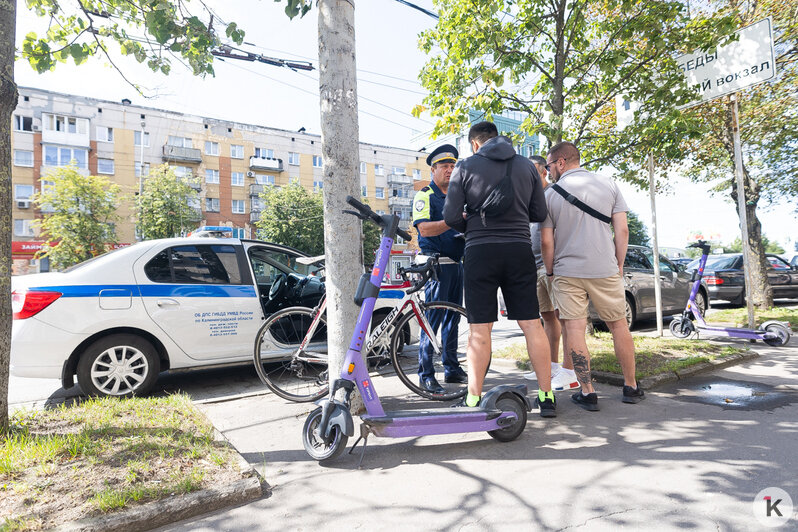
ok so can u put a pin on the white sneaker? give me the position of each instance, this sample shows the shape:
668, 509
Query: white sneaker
564, 379
532, 377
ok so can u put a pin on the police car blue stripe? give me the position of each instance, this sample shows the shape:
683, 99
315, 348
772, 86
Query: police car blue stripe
391, 294
152, 290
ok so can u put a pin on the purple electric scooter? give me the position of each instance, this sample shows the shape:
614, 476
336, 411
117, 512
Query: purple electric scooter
773, 333
502, 411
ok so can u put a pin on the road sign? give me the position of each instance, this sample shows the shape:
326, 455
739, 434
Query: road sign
740, 64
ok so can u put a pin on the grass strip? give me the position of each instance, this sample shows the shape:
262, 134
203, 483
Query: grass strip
652, 355
739, 316
101, 455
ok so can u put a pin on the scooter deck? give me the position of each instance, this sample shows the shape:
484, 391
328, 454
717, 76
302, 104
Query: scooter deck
408, 423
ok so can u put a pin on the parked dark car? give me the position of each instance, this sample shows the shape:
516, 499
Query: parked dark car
724, 279
684, 261
794, 261
638, 274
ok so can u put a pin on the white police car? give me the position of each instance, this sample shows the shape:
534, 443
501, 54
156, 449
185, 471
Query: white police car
118, 320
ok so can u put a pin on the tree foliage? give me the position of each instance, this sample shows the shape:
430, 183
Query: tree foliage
563, 64
736, 246
168, 205
638, 232
294, 217
172, 30
79, 214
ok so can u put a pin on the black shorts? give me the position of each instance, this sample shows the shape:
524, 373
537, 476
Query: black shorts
509, 266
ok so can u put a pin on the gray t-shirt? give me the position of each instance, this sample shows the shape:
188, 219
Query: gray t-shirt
534, 228
583, 245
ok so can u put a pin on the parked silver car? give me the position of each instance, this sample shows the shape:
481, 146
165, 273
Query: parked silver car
638, 276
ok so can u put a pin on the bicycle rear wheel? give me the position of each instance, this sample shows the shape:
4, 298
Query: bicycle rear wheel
295, 374
406, 360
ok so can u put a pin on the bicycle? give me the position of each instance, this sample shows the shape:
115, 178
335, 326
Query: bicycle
291, 346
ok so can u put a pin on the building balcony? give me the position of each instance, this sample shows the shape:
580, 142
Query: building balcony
193, 182
265, 163
254, 216
179, 153
195, 215
398, 201
399, 179
64, 138
256, 190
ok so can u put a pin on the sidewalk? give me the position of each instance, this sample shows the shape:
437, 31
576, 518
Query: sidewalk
684, 458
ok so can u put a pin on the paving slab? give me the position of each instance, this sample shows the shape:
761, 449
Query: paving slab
683, 458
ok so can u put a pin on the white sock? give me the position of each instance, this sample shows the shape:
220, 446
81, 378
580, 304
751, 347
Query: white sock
555, 366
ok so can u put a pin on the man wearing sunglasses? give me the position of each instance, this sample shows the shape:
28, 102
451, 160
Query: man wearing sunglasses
584, 240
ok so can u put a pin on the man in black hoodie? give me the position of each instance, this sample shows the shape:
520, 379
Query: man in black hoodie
499, 254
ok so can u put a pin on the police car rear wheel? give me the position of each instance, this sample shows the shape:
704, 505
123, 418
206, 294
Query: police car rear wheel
120, 365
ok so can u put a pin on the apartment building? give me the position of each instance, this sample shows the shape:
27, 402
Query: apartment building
232, 161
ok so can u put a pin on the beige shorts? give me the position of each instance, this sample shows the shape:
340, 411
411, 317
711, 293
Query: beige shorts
572, 293
545, 292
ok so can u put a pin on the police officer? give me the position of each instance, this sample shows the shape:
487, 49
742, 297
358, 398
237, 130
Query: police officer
434, 236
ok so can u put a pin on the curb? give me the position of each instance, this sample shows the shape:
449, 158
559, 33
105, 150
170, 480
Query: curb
170, 510
654, 381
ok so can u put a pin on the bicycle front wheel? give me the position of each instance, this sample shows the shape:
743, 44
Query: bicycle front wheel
447, 367
292, 372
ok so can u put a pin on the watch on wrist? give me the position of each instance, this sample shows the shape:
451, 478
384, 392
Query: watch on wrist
549, 275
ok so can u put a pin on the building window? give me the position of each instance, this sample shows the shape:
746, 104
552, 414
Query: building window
238, 206
23, 192
237, 179
23, 158
60, 156
146, 169
212, 204
211, 148
379, 169
180, 171
317, 186
23, 228
23, 123
65, 124
211, 176
137, 139
238, 232
293, 159
180, 142
417, 174
398, 170
364, 190
236, 151
379, 193
105, 134
105, 166
317, 161
264, 179
362, 168
264, 153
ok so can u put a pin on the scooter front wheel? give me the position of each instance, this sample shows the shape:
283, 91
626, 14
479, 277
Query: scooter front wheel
781, 332
681, 328
315, 446
510, 402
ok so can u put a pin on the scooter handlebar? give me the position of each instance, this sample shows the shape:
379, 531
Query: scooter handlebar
366, 211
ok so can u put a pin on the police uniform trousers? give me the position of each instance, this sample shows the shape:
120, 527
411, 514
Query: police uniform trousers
448, 287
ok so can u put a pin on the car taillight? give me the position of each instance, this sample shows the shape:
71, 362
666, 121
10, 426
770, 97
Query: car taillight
26, 303
712, 280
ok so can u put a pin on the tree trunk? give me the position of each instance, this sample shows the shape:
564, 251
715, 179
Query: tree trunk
8, 102
340, 149
761, 291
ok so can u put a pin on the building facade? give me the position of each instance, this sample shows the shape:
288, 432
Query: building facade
232, 162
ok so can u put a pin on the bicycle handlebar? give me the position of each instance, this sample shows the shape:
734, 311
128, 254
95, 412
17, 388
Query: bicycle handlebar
427, 270
366, 211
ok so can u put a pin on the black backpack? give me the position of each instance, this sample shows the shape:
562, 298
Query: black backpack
498, 200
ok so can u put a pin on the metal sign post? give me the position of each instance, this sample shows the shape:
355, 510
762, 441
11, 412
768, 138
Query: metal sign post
738, 171
652, 187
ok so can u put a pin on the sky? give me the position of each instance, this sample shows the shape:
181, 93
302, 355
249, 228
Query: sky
388, 62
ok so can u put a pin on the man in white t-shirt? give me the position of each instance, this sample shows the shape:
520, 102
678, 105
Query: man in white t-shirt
585, 261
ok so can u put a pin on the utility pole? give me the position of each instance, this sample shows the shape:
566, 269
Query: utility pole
341, 156
141, 181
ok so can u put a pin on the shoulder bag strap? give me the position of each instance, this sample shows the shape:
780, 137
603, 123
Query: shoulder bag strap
576, 202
